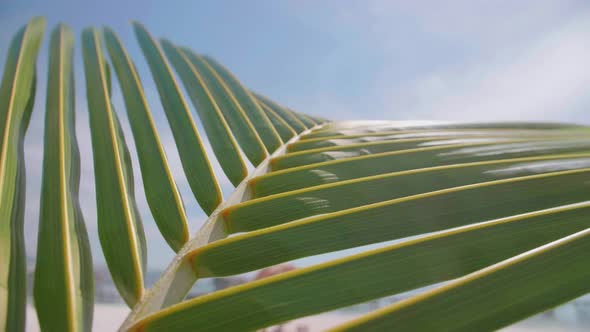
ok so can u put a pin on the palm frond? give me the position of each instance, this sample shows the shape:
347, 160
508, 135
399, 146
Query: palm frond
493, 216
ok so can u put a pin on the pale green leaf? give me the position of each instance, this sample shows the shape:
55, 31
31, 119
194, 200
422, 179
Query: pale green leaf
390, 220
323, 142
319, 155
161, 192
17, 95
282, 127
374, 164
376, 273
373, 127
222, 141
240, 125
298, 204
495, 296
193, 157
119, 225
64, 278
304, 118
282, 112
248, 103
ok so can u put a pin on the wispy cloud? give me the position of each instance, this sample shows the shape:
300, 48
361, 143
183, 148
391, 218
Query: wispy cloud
462, 60
543, 79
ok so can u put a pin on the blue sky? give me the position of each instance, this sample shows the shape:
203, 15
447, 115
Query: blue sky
373, 59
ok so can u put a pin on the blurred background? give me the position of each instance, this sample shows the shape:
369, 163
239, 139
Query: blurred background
465, 60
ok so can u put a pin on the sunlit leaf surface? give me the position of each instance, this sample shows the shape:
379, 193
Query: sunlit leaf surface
17, 96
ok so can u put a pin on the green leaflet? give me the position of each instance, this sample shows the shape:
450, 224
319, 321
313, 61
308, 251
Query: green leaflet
240, 125
319, 120
282, 112
64, 277
281, 208
324, 142
319, 155
392, 269
250, 106
373, 127
532, 282
283, 128
304, 118
161, 192
369, 165
390, 220
222, 141
17, 95
119, 224
192, 154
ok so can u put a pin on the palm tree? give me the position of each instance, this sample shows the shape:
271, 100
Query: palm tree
496, 214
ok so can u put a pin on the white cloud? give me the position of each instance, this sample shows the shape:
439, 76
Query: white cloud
544, 79
460, 59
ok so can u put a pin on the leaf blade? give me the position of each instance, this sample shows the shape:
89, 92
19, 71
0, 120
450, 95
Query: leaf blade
323, 142
259, 119
534, 281
374, 127
162, 194
17, 94
232, 111
192, 154
282, 127
393, 269
282, 112
293, 205
361, 166
64, 281
390, 220
308, 157
119, 224
222, 141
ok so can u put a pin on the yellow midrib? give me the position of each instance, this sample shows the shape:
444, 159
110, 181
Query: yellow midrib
122, 186
136, 80
71, 296
3, 302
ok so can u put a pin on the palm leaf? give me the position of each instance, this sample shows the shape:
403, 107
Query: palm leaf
370, 128
222, 141
283, 128
249, 105
338, 140
290, 118
236, 118
353, 167
17, 95
531, 282
494, 216
294, 122
119, 225
192, 154
538, 181
64, 288
393, 269
342, 195
162, 195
